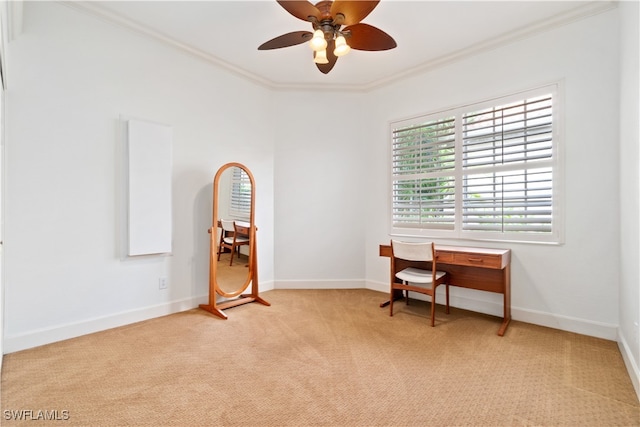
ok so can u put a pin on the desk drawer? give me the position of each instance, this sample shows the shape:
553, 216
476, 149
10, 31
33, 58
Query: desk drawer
477, 260
444, 257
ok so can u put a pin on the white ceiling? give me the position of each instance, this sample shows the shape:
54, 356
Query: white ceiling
428, 33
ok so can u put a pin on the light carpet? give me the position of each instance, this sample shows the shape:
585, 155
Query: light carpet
322, 358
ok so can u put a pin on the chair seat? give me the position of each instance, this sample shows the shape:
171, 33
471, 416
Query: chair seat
418, 275
239, 240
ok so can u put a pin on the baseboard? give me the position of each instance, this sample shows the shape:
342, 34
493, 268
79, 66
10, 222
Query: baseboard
319, 284
13, 343
485, 303
491, 304
632, 367
602, 330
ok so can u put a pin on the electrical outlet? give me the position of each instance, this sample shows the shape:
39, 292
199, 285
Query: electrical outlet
162, 283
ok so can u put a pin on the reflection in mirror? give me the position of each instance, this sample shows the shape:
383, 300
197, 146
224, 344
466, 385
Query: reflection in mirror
234, 217
233, 260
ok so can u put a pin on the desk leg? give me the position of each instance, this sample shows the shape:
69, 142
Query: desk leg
503, 327
397, 295
506, 277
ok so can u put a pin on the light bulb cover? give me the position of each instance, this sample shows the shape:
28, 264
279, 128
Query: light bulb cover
342, 48
320, 57
318, 42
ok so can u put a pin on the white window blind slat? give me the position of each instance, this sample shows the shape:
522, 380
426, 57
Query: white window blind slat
424, 201
424, 147
240, 197
517, 201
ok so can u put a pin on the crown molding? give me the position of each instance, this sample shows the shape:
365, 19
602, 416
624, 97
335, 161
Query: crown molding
584, 11
113, 18
590, 9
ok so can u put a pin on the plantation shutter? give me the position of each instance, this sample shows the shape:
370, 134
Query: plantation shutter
507, 161
423, 194
240, 205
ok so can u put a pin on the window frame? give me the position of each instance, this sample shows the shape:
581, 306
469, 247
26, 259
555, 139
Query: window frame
555, 236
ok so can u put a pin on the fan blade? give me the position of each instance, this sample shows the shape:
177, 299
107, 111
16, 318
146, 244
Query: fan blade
325, 68
354, 11
368, 37
286, 40
300, 9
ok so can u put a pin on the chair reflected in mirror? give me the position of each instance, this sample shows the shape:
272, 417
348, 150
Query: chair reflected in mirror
231, 238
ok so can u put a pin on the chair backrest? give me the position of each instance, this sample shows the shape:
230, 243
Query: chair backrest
228, 225
412, 251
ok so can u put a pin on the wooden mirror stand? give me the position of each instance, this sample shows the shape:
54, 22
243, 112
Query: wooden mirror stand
232, 180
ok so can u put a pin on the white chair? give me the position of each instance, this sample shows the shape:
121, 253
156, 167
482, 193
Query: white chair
411, 278
231, 239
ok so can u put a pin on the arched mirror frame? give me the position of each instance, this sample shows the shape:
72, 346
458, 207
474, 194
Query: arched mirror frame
234, 298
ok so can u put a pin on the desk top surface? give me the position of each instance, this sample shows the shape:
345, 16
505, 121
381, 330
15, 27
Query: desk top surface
470, 249
239, 223
451, 248
503, 255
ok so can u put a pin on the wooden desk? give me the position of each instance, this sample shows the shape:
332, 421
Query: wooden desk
242, 226
473, 268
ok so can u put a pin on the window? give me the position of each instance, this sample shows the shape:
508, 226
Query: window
240, 196
484, 171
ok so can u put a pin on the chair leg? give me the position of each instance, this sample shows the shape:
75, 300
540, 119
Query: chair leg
233, 251
433, 308
391, 303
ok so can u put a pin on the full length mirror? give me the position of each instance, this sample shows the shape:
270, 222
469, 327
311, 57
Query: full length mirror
233, 231
233, 255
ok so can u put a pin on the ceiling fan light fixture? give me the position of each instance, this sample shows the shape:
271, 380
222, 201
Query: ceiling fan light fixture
333, 23
320, 57
318, 42
342, 48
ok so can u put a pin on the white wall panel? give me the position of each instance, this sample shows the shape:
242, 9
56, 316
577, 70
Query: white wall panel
149, 183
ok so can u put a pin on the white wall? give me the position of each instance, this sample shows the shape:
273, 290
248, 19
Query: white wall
72, 76
320, 190
629, 336
573, 286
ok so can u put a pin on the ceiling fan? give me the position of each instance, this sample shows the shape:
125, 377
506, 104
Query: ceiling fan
336, 30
